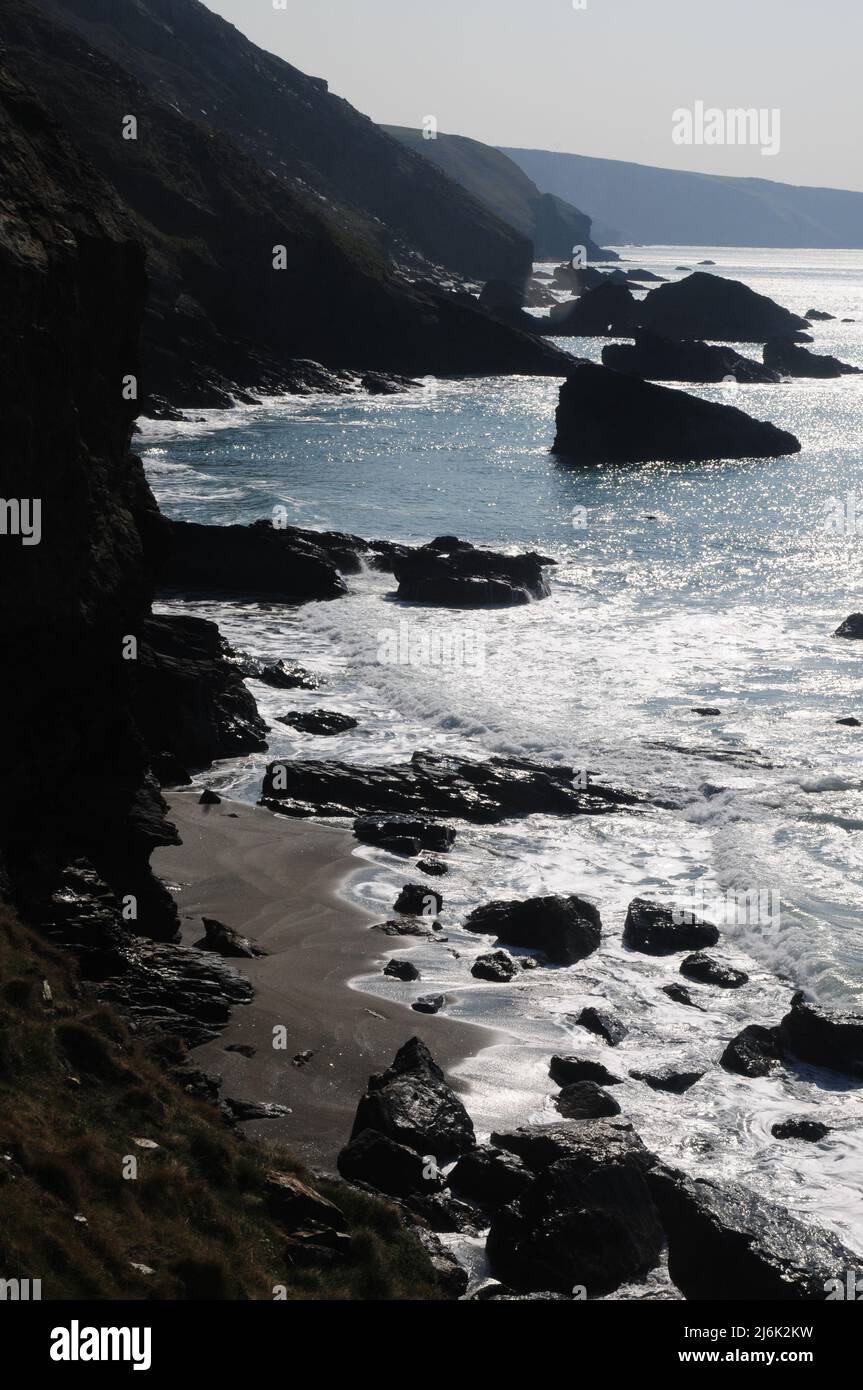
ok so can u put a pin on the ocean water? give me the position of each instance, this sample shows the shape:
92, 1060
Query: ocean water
676, 586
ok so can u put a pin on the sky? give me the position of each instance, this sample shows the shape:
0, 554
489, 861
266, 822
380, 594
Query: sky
602, 80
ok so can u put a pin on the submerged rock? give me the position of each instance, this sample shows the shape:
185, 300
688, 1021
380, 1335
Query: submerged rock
567, 1070
681, 995
715, 308
585, 1100
603, 1024
726, 1242
824, 1037
851, 627
800, 1127
709, 971
658, 929
453, 573
318, 721
674, 1079
606, 417
565, 929
783, 356
412, 1104
655, 358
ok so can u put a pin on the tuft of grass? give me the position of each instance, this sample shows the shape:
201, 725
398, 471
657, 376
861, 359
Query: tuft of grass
82, 1204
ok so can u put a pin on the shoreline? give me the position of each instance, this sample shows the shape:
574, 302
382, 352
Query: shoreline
278, 881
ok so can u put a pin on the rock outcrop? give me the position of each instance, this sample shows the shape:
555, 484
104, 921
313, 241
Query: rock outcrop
602, 312
654, 358
785, 358
716, 308
607, 417
824, 1037
564, 929
657, 929
248, 560
456, 574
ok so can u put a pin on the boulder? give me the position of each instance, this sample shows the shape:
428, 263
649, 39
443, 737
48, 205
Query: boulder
606, 311
851, 627
209, 798
433, 785
497, 966
465, 577
584, 1100
715, 308
673, 1079
587, 1219
318, 721
681, 995
755, 1051
401, 970
724, 1242
452, 1277
435, 868
655, 358
225, 941
565, 929
281, 675
256, 559
657, 929
850, 722
783, 356
429, 1004
412, 1104
387, 1166
418, 900
490, 1175
603, 1024
567, 1070
800, 1127
709, 971
406, 926
606, 417
824, 1037
818, 316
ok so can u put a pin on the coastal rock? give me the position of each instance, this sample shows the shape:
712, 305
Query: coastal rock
429, 1004
567, 1070
824, 1037
818, 316
726, 1242
851, 627
602, 312
491, 1176
241, 1111
418, 900
709, 971
587, 1219
606, 417
784, 357
850, 722
209, 798
497, 966
170, 991
225, 941
433, 784
755, 1051
435, 868
397, 832
248, 560
654, 358
681, 995
401, 970
800, 1127
603, 1024
715, 308
673, 1079
412, 1104
465, 577
406, 926
318, 721
659, 930
565, 929
387, 1166
452, 1277
584, 1100
281, 675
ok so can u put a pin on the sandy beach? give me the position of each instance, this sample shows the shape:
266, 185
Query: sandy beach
278, 882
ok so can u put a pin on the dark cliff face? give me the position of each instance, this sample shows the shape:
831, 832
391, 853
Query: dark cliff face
72, 283
219, 314
291, 124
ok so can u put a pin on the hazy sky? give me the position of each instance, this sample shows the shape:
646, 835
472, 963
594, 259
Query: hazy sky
603, 80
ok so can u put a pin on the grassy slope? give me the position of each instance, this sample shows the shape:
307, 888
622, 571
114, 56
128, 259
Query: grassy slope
75, 1091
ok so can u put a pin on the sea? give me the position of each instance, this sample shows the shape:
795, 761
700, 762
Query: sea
677, 587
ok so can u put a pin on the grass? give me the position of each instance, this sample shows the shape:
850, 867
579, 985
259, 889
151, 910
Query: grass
76, 1092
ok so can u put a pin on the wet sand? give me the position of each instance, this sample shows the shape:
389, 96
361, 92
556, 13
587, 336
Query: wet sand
278, 881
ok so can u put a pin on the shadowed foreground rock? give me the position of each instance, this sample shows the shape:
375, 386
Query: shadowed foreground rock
606, 310
655, 358
606, 417
565, 929
433, 784
725, 1243
786, 358
412, 1104
256, 559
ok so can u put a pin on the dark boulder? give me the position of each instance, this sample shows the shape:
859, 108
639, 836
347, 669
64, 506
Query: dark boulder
418, 900
209, 798
584, 1100
318, 721
465, 577
256, 559
655, 358
673, 1079
401, 970
680, 994
824, 1037
818, 315
497, 966
281, 675
429, 1004
709, 971
606, 311
852, 627
706, 711
715, 308
800, 1127
387, 1166
849, 722
784, 357
724, 1242
401, 830
567, 1070
755, 1051
606, 417
491, 1176
431, 785
603, 1024
435, 868
407, 926
225, 941
587, 1219
565, 929
659, 930
412, 1104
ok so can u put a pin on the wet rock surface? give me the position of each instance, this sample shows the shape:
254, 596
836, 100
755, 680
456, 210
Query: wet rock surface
457, 574
564, 929
659, 930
